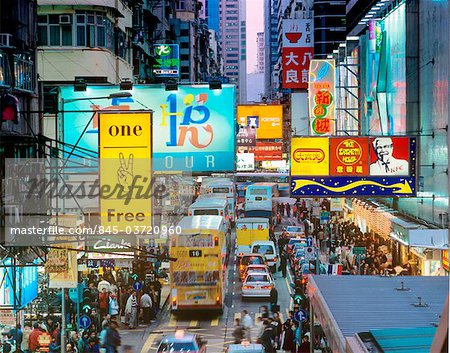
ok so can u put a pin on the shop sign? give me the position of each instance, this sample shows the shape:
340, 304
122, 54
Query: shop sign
353, 166
7, 317
245, 162
322, 96
246, 136
44, 340
268, 151
267, 120
125, 160
69, 278
193, 127
56, 260
359, 250
445, 263
167, 60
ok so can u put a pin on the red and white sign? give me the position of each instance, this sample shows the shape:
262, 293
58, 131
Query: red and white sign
298, 33
296, 67
268, 151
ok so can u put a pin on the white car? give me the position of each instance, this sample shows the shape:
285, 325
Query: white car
266, 248
256, 268
257, 284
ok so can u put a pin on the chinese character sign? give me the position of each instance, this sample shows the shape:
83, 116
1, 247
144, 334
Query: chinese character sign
322, 97
246, 136
167, 60
298, 33
349, 156
268, 151
309, 156
267, 120
295, 67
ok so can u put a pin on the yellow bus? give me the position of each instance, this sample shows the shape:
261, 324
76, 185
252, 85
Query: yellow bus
197, 277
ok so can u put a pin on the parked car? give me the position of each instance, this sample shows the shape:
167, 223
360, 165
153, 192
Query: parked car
257, 284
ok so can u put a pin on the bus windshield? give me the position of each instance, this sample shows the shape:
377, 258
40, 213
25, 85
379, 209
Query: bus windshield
223, 190
206, 212
196, 241
254, 191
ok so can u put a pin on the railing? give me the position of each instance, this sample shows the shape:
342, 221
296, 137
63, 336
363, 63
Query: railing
23, 78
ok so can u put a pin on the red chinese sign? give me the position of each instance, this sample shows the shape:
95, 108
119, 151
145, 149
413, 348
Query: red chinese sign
445, 264
296, 67
269, 151
349, 156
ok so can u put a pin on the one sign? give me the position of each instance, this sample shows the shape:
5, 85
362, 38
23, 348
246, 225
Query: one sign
297, 52
7, 317
137, 286
268, 151
245, 162
322, 96
167, 60
309, 241
84, 322
329, 166
125, 160
359, 250
193, 127
266, 119
56, 261
246, 136
301, 315
76, 294
336, 204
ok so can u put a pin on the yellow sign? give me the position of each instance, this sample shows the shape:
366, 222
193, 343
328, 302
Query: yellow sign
267, 119
68, 278
310, 156
125, 171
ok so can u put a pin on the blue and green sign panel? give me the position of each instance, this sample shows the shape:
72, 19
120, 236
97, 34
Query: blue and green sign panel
193, 128
167, 60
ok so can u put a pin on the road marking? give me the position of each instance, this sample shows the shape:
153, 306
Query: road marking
172, 321
215, 322
148, 343
193, 323
291, 303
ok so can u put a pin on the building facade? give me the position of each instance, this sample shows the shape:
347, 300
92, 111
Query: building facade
260, 54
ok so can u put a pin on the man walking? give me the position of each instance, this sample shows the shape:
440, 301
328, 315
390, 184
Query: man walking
283, 263
247, 324
273, 299
132, 310
146, 305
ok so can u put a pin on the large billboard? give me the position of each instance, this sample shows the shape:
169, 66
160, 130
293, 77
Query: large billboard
193, 127
266, 119
322, 97
125, 167
353, 166
297, 51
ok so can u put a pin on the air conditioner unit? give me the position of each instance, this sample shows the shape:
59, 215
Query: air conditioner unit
65, 19
5, 40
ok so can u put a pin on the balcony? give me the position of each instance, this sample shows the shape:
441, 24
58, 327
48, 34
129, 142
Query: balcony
24, 78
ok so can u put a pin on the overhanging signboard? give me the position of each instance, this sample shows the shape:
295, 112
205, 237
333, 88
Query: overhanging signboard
353, 166
193, 127
167, 60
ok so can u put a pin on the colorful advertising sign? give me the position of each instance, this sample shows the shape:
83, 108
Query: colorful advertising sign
322, 97
167, 60
267, 119
353, 166
246, 136
125, 168
193, 127
245, 162
268, 151
297, 52
309, 156
68, 278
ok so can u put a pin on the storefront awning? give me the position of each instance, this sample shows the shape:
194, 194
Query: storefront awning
429, 238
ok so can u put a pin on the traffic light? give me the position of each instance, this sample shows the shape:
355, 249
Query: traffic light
87, 301
9, 108
297, 299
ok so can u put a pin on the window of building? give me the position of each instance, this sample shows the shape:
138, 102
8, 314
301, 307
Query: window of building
184, 56
184, 45
232, 55
232, 67
231, 61
232, 18
231, 36
231, 24
231, 49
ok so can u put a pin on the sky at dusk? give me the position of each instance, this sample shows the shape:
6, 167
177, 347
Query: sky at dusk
255, 24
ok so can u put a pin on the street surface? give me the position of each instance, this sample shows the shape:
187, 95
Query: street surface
217, 330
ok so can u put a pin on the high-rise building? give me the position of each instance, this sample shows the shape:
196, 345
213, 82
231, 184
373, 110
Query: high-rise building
213, 15
271, 45
260, 54
232, 38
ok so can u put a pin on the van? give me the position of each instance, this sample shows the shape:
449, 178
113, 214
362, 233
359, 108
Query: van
266, 248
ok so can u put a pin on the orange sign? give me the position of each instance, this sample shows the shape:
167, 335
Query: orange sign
349, 156
445, 263
44, 339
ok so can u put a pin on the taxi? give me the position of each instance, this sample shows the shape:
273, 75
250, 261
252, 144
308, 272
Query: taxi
181, 341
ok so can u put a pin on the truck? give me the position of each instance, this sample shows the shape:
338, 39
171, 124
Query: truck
249, 230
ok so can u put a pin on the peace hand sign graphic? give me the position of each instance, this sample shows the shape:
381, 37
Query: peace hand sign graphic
125, 171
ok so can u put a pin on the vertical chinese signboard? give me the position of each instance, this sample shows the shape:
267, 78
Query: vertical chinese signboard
322, 97
167, 60
297, 52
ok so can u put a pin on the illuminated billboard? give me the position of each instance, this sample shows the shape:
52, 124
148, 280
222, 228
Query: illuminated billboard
266, 119
322, 96
193, 127
125, 161
353, 166
167, 58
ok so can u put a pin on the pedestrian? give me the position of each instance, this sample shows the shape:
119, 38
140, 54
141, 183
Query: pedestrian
132, 310
266, 339
275, 334
146, 305
113, 306
273, 299
113, 339
103, 284
96, 320
247, 324
54, 347
33, 343
283, 263
288, 209
305, 344
105, 321
103, 302
238, 332
287, 340
25, 336
278, 328
16, 334
93, 346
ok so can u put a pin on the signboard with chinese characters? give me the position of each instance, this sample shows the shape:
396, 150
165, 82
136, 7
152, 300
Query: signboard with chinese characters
268, 151
297, 52
167, 60
245, 162
353, 166
322, 96
246, 136
193, 127
266, 119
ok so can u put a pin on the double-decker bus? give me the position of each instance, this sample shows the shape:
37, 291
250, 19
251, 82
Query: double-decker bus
261, 201
198, 274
